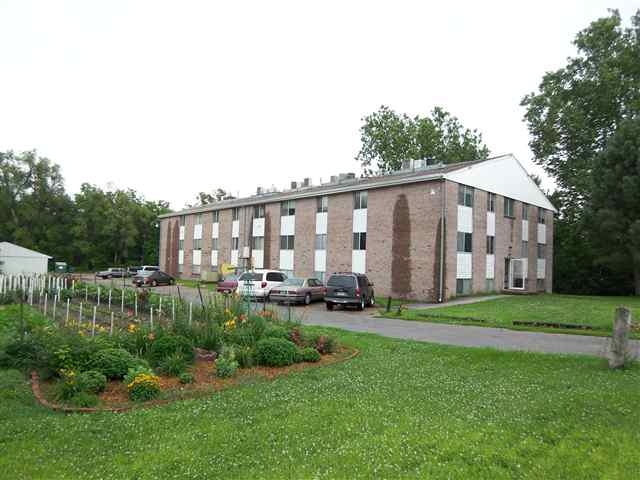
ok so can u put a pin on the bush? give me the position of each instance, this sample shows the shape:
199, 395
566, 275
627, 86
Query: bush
275, 352
84, 400
169, 345
144, 387
226, 364
322, 343
275, 331
68, 387
245, 357
173, 365
91, 381
185, 377
113, 362
133, 372
26, 354
309, 354
210, 338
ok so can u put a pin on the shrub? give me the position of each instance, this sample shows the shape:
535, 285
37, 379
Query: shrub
68, 387
168, 345
310, 355
133, 372
84, 400
185, 377
144, 387
245, 357
91, 381
173, 365
210, 338
276, 331
226, 364
275, 352
113, 362
27, 353
322, 343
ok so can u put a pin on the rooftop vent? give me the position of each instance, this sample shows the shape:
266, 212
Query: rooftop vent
259, 191
333, 179
306, 182
294, 185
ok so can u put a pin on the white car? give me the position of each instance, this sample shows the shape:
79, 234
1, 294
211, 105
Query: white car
258, 283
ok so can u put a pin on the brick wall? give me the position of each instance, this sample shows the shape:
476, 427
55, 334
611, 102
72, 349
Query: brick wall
224, 239
305, 234
272, 236
340, 233
451, 233
479, 245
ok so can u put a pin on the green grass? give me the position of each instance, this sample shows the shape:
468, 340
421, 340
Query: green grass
208, 286
399, 409
572, 309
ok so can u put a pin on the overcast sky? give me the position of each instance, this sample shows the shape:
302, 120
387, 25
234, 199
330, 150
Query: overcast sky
173, 98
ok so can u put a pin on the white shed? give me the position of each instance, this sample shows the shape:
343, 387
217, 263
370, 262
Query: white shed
17, 260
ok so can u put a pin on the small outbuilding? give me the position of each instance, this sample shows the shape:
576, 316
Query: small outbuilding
17, 260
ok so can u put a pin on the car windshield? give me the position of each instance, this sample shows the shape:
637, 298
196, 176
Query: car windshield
345, 281
293, 282
251, 277
144, 273
231, 278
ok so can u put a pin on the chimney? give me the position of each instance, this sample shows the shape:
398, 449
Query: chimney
351, 176
259, 191
294, 185
334, 179
306, 182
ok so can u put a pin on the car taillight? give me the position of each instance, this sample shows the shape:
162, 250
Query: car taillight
357, 292
324, 290
263, 284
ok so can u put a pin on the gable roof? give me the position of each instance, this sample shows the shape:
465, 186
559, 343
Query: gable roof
8, 249
518, 176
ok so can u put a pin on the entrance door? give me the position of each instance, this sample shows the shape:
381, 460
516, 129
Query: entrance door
517, 274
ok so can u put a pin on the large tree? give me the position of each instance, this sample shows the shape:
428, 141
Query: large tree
388, 138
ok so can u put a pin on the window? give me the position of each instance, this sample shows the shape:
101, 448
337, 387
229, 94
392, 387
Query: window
198, 220
541, 218
323, 204
235, 242
360, 241
180, 244
320, 277
257, 243
525, 249
197, 244
321, 242
195, 269
463, 286
464, 242
214, 244
287, 242
465, 195
180, 268
542, 251
525, 211
508, 207
275, 277
235, 214
489, 285
540, 285
258, 211
288, 208
491, 245
360, 200
182, 220
491, 202
216, 216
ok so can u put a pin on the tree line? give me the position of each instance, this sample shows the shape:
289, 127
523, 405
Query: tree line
92, 229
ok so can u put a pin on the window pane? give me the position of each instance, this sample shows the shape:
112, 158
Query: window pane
323, 204
215, 216
321, 242
525, 249
525, 211
214, 244
540, 215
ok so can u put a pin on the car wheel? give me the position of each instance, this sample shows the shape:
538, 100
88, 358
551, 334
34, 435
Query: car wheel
154, 283
329, 306
362, 304
372, 301
307, 299
172, 282
108, 277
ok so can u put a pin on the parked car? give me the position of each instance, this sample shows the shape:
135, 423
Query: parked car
131, 271
349, 289
298, 290
148, 278
148, 268
112, 272
258, 283
228, 284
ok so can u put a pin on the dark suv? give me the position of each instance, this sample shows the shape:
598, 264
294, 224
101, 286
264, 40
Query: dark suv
348, 288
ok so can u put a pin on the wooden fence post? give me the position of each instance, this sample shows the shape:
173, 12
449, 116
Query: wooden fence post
620, 338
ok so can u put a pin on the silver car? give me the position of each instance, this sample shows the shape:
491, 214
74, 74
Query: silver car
298, 290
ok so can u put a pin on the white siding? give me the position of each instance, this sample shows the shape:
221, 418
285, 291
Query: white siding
17, 260
234, 258
288, 226
491, 224
214, 258
181, 232
465, 219
541, 268
258, 227
197, 231
215, 230
464, 267
525, 230
286, 259
320, 261
542, 233
257, 258
491, 266
321, 223
360, 220
359, 261
181, 257
235, 228
197, 257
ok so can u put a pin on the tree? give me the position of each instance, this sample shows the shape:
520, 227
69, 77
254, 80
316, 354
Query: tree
389, 138
204, 198
615, 201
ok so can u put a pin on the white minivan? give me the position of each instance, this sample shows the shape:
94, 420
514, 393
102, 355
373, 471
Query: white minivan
258, 283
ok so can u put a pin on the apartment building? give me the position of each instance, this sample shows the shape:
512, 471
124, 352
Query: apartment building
427, 232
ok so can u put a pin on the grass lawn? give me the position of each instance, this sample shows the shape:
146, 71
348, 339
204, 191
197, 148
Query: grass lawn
399, 409
206, 286
501, 312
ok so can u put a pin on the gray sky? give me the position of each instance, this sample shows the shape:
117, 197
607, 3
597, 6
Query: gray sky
173, 98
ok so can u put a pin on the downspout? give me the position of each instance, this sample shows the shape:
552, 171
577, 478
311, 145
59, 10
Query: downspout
443, 200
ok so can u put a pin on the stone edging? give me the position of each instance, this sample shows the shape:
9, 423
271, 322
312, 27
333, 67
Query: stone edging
56, 407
